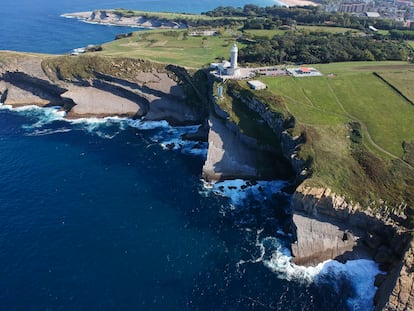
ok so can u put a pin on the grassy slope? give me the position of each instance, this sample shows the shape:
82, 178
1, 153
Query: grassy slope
401, 80
271, 33
171, 47
322, 107
170, 15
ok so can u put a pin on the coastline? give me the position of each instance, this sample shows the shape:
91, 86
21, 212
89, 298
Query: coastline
92, 108
110, 18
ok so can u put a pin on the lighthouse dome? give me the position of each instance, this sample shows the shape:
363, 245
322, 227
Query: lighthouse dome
234, 48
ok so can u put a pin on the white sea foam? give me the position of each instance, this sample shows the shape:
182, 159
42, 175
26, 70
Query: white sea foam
102, 127
170, 137
44, 132
238, 190
360, 274
148, 125
44, 115
274, 252
165, 135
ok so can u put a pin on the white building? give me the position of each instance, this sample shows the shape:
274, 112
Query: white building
256, 85
226, 68
233, 60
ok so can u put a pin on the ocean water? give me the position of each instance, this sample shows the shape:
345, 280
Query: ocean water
36, 26
111, 214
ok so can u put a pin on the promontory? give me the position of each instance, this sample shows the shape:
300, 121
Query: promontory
272, 102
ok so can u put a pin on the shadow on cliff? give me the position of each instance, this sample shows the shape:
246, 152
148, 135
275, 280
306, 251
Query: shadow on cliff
38, 87
383, 242
250, 149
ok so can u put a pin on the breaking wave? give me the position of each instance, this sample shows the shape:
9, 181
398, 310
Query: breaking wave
160, 132
171, 137
273, 251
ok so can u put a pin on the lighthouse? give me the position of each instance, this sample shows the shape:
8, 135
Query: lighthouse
233, 59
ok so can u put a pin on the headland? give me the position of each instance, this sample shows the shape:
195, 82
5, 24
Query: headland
330, 146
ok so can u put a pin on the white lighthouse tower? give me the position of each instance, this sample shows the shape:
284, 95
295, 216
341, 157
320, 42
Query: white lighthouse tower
233, 59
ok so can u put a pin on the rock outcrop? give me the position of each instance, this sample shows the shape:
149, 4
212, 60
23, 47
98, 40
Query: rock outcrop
401, 286
112, 17
318, 240
153, 93
228, 157
232, 154
279, 124
374, 234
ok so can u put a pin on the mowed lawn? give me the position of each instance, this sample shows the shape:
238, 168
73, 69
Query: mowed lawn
270, 33
173, 47
328, 29
401, 80
352, 92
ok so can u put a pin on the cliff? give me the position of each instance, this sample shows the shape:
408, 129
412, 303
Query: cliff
368, 233
326, 225
113, 17
234, 153
95, 86
401, 286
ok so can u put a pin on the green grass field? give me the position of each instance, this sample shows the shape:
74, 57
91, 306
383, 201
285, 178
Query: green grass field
173, 47
170, 15
263, 33
273, 32
402, 80
349, 92
327, 29
353, 92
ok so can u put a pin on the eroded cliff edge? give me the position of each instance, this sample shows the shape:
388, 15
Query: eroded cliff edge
97, 86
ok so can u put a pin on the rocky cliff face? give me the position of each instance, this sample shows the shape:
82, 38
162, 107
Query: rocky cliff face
290, 145
232, 154
326, 224
373, 234
155, 93
319, 239
115, 18
401, 285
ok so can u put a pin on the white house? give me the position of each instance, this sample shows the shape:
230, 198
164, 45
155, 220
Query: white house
256, 85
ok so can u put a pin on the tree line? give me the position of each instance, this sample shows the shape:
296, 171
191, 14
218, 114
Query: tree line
273, 16
321, 47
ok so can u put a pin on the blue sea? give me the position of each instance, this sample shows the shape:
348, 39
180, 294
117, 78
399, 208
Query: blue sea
98, 214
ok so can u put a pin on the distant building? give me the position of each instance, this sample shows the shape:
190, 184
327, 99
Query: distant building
304, 72
372, 14
256, 85
203, 33
353, 7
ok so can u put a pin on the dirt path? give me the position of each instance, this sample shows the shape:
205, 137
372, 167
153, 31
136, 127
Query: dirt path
365, 129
